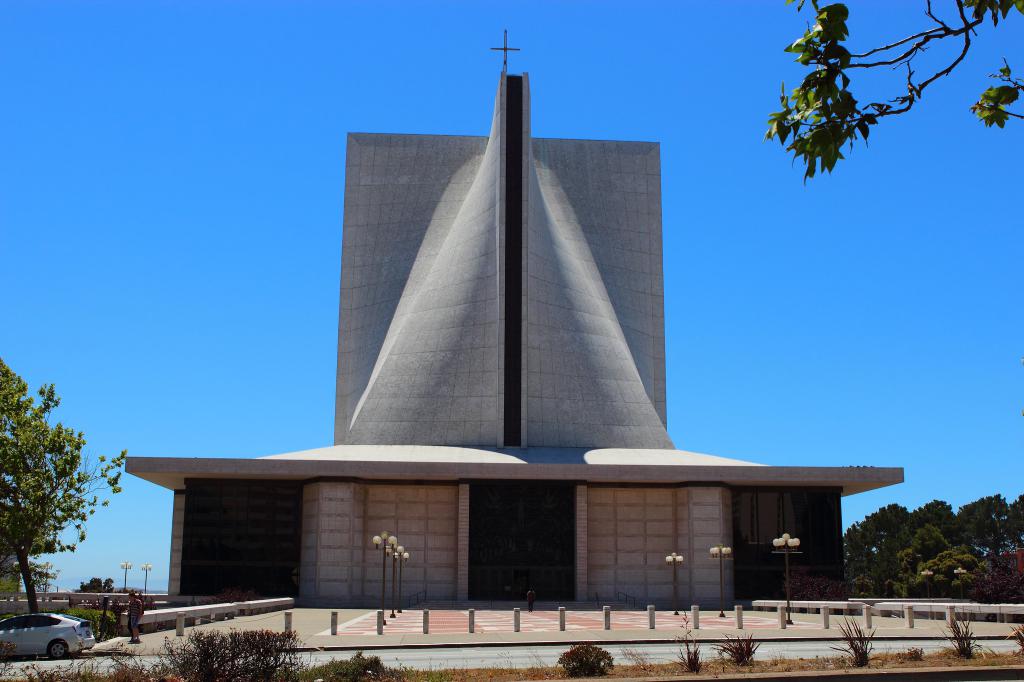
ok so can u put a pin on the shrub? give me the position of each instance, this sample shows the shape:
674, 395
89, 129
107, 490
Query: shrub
246, 656
964, 642
1018, 636
914, 653
102, 627
1000, 584
6, 652
856, 643
689, 655
359, 668
586, 660
806, 586
230, 595
739, 650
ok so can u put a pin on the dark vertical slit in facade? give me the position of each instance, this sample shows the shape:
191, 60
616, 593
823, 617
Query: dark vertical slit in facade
513, 260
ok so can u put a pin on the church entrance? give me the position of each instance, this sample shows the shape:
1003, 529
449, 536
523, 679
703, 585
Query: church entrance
522, 536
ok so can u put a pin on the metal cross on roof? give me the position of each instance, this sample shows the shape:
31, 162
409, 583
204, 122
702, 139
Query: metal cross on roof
505, 49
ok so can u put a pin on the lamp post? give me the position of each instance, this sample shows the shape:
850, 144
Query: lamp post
381, 542
960, 573
675, 560
126, 565
403, 556
786, 545
928, 581
393, 551
721, 552
146, 568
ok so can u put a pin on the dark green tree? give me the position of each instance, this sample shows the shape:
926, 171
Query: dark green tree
1016, 519
97, 585
946, 582
940, 514
986, 525
48, 488
822, 115
872, 546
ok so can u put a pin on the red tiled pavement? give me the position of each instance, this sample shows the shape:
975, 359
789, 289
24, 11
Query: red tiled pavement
541, 621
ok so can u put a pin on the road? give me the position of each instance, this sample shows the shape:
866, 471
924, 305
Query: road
529, 656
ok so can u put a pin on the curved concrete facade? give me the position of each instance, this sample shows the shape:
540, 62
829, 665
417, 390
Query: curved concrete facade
425, 273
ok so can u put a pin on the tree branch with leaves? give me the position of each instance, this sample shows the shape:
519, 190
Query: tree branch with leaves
48, 488
821, 116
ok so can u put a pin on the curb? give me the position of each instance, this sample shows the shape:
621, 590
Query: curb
954, 674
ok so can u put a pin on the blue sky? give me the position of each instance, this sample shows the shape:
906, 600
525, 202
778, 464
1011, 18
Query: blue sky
171, 182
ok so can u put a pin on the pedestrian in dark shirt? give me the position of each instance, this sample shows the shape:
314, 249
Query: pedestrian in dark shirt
531, 597
135, 610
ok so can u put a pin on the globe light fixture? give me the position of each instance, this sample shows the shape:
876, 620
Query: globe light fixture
721, 552
675, 560
382, 541
927, 575
786, 545
403, 556
146, 568
960, 572
126, 565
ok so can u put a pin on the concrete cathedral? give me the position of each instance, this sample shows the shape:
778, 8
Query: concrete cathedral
500, 402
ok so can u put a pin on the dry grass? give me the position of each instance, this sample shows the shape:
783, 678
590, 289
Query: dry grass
712, 667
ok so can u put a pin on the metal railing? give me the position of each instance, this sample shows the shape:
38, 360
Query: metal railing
629, 600
414, 599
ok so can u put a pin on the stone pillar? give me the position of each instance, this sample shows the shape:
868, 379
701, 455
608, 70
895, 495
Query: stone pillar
561, 618
177, 537
515, 620
462, 546
739, 617
650, 616
824, 617
710, 523
607, 617
909, 611
867, 616
695, 616
582, 553
334, 622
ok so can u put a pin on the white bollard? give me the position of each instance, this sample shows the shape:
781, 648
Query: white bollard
561, 618
695, 616
472, 620
426, 621
287, 621
824, 617
867, 616
909, 611
515, 620
334, 622
380, 621
739, 617
650, 616
950, 614
782, 617
179, 625
607, 617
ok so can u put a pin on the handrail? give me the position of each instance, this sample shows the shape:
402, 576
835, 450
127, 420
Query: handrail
628, 599
416, 598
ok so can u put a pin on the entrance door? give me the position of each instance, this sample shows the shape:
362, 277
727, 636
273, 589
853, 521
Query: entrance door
522, 536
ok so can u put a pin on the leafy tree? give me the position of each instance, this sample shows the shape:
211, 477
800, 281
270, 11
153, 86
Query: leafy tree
97, 585
928, 542
940, 514
872, 546
822, 115
986, 524
946, 582
1000, 584
1016, 520
47, 486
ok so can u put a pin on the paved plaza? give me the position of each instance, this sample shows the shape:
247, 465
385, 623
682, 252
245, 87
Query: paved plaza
491, 621
494, 627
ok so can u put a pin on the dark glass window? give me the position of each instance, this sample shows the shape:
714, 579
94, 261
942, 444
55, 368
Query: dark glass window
241, 534
762, 514
522, 535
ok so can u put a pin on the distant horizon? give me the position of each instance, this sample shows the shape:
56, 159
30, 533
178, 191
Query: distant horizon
171, 221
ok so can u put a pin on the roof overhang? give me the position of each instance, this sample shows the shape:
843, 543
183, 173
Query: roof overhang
437, 463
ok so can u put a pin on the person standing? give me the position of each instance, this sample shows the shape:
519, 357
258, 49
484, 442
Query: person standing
531, 597
135, 611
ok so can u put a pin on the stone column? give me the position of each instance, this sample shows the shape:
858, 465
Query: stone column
177, 537
710, 523
582, 553
462, 548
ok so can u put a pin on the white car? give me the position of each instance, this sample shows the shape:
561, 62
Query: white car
53, 634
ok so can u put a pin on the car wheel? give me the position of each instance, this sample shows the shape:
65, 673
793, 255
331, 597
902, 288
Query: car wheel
58, 648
